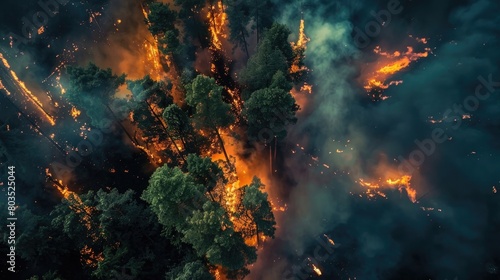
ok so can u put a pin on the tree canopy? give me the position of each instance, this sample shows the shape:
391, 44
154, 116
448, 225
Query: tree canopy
268, 112
92, 89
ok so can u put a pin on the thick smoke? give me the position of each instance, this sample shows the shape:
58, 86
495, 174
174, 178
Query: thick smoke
393, 238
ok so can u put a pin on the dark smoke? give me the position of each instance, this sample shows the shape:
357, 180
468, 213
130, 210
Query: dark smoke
393, 238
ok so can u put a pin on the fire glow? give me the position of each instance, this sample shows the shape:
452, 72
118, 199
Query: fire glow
26, 92
217, 18
374, 187
389, 64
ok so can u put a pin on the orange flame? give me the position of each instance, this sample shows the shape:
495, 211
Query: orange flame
390, 64
26, 92
300, 45
316, 270
217, 17
75, 112
402, 182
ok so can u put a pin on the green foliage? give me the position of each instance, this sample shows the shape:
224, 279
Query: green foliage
180, 128
211, 112
262, 15
92, 89
238, 14
262, 66
212, 235
189, 7
173, 196
279, 81
194, 270
204, 171
147, 96
278, 37
114, 225
161, 19
161, 23
255, 204
38, 243
169, 43
269, 111
206, 97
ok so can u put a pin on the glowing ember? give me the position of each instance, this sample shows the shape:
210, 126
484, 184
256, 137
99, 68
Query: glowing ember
316, 270
75, 112
329, 239
89, 257
306, 87
3, 87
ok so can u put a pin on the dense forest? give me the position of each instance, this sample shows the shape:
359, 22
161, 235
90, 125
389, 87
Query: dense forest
167, 201
256, 140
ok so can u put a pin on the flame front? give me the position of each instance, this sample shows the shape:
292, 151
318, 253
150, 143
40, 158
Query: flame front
391, 63
374, 188
26, 92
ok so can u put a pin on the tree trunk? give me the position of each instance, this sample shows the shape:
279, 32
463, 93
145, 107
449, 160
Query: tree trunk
166, 131
120, 124
245, 45
257, 234
223, 148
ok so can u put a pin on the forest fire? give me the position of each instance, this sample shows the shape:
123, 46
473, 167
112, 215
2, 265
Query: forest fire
75, 112
217, 18
299, 48
21, 86
226, 140
376, 187
389, 64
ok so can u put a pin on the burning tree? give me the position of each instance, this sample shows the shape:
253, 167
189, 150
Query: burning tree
211, 113
93, 90
238, 12
117, 233
206, 172
149, 99
161, 23
180, 128
180, 202
255, 211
